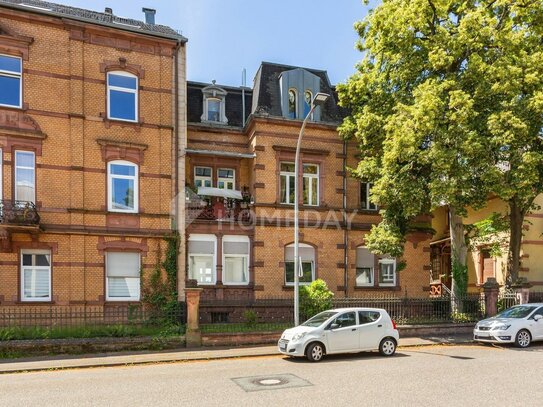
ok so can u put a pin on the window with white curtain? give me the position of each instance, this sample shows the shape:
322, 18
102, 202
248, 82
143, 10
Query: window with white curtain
365, 263
123, 276
36, 275
202, 258
387, 272
25, 176
307, 255
235, 264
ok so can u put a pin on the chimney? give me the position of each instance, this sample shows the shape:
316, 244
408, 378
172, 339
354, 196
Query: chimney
149, 15
108, 10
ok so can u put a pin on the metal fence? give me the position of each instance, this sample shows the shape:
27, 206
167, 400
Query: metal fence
270, 314
58, 317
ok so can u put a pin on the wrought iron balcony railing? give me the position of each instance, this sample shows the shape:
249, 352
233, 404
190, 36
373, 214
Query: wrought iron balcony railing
20, 213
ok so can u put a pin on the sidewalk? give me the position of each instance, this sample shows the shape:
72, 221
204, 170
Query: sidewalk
185, 355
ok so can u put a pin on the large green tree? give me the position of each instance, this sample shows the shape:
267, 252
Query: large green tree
446, 90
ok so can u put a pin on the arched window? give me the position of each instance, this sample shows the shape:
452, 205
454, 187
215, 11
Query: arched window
308, 97
122, 186
122, 96
292, 102
307, 255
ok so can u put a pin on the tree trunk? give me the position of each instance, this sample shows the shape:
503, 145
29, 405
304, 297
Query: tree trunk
459, 257
516, 221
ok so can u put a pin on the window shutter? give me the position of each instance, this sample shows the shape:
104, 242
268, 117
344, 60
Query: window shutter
364, 258
236, 248
201, 247
123, 265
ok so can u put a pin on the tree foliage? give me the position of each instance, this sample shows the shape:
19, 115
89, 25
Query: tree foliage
446, 107
315, 298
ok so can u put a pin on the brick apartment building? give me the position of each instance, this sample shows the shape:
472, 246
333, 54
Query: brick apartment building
91, 113
240, 185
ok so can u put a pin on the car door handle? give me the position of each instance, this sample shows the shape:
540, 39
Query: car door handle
379, 326
354, 329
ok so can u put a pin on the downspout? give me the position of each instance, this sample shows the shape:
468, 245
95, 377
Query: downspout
175, 155
345, 226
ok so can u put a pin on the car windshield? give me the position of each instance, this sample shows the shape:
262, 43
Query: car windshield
319, 319
521, 311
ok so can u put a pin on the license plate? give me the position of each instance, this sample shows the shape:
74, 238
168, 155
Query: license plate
483, 335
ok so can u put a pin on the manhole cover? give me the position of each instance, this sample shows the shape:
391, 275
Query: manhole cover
268, 382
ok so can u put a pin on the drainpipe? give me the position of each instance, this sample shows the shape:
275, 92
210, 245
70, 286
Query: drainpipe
345, 231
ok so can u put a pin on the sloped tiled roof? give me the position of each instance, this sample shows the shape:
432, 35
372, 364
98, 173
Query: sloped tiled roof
121, 23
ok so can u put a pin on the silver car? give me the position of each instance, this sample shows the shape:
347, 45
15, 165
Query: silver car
520, 325
345, 330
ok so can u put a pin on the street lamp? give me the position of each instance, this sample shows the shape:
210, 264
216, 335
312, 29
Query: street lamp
318, 100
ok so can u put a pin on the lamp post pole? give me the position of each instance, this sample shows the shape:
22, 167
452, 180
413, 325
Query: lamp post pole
319, 99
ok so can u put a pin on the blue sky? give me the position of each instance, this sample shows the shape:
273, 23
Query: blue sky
226, 36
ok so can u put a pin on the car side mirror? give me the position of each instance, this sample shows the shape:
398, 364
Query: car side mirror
334, 326
538, 317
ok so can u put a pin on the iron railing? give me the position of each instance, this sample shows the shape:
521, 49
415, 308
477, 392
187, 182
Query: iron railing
35, 322
18, 213
276, 313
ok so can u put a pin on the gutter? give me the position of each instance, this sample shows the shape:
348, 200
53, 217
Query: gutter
220, 153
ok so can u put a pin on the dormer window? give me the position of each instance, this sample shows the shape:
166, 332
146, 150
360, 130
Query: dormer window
292, 102
298, 87
214, 109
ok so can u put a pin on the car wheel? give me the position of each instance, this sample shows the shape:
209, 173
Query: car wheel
387, 347
315, 352
523, 339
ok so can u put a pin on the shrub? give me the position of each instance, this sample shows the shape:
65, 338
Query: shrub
250, 318
315, 298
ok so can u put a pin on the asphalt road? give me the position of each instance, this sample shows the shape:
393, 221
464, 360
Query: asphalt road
424, 376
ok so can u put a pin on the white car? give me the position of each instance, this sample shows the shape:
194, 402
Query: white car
520, 325
345, 330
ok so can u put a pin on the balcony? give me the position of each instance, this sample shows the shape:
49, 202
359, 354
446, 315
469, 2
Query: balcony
230, 211
18, 213
218, 208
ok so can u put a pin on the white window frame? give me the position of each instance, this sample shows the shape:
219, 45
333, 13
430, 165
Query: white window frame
370, 206
204, 238
220, 102
300, 245
227, 180
135, 298
34, 252
236, 239
203, 179
17, 167
1, 174
110, 178
387, 261
311, 177
125, 90
290, 177
13, 74
372, 270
